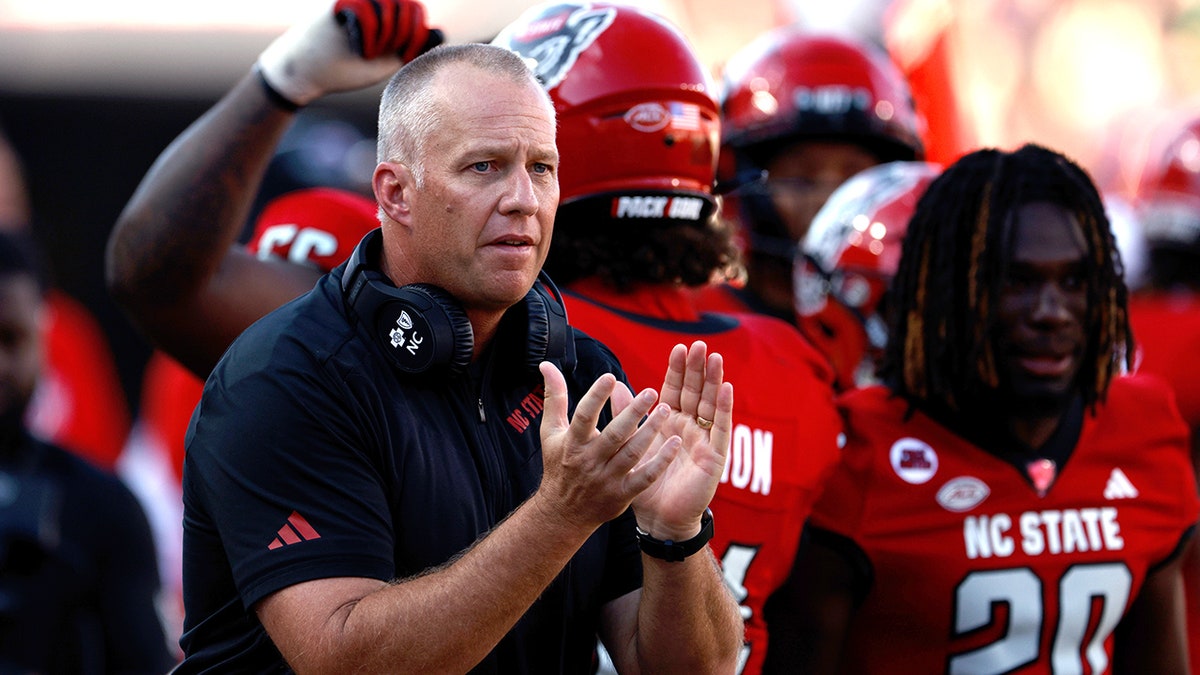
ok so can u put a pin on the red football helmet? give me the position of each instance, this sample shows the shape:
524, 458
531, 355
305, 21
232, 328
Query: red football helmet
638, 127
1168, 196
848, 258
313, 226
789, 85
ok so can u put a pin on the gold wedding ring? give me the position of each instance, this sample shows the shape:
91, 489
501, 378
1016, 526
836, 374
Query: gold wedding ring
704, 424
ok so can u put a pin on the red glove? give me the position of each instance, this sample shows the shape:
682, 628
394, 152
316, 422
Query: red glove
379, 27
360, 43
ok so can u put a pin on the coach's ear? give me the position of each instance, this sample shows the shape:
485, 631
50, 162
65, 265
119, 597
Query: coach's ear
394, 183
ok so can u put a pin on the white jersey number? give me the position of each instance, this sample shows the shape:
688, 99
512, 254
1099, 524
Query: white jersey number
735, 564
1021, 590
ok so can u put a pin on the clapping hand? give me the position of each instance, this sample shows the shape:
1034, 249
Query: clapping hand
700, 413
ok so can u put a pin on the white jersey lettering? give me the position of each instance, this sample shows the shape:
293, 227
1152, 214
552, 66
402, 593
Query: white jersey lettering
1049, 532
749, 463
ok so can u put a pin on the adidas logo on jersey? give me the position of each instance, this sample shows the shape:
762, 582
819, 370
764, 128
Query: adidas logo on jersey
294, 531
1119, 486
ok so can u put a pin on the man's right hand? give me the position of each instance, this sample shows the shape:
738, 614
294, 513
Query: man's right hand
352, 45
591, 476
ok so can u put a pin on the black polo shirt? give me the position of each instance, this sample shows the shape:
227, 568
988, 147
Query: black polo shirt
311, 457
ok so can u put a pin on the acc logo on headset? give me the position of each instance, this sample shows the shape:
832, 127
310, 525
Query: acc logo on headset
554, 37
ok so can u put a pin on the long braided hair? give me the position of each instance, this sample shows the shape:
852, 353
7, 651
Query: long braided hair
953, 262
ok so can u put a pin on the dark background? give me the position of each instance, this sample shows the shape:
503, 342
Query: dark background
84, 155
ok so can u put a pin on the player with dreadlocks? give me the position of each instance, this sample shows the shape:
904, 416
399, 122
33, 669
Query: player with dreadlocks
1010, 499
948, 356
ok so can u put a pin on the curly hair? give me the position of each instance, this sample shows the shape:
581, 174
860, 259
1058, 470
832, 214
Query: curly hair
622, 253
953, 262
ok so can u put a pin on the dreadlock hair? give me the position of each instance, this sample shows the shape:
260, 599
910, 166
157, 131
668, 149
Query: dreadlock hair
588, 242
954, 260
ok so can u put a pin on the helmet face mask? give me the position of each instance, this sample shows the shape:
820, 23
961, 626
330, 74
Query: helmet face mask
638, 125
846, 261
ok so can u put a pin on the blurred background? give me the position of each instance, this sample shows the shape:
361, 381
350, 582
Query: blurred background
91, 92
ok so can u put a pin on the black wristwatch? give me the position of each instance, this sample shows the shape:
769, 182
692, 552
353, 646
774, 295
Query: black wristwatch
676, 551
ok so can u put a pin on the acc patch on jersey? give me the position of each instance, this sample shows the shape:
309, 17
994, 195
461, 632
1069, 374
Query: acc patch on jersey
962, 493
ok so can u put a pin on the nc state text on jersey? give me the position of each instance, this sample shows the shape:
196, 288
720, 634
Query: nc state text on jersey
1049, 532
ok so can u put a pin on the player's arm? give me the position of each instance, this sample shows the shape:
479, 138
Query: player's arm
808, 616
1152, 638
171, 262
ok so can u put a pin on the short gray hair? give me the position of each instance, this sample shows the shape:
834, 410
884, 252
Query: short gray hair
408, 109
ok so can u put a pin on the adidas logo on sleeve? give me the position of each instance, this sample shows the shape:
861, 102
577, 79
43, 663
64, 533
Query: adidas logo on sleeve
294, 531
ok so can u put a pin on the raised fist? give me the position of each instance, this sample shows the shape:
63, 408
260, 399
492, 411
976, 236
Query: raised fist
356, 44
378, 27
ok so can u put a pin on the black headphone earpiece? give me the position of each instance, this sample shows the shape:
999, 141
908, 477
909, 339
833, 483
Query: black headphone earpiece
422, 328
419, 326
549, 334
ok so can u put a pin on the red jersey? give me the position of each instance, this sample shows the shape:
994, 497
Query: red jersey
1166, 327
973, 571
725, 298
785, 426
79, 403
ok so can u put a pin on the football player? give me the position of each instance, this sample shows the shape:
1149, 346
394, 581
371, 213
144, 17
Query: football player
801, 113
1009, 500
1165, 313
846, 262
635, 231
79, 403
